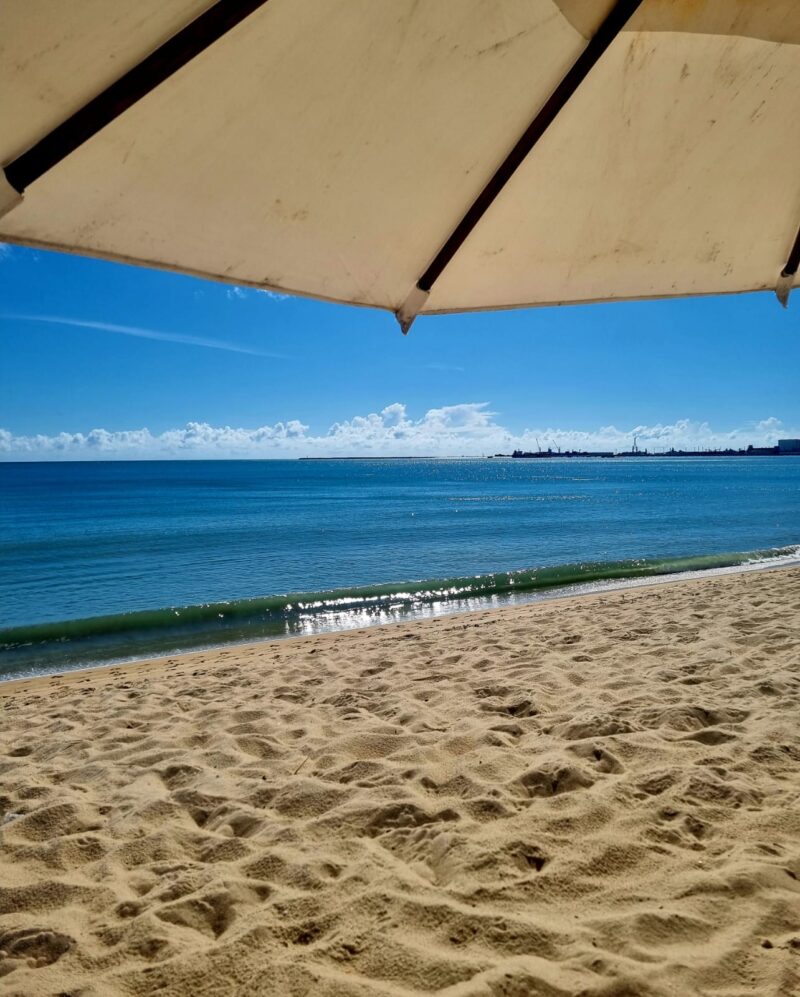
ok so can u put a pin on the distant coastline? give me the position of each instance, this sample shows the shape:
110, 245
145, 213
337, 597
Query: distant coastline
784, 448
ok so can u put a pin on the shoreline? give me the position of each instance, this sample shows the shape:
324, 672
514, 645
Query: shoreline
442, 610
478, 616
581, 795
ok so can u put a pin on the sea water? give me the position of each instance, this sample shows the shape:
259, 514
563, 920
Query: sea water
104, 561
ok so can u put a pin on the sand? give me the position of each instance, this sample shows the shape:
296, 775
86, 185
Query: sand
587, 796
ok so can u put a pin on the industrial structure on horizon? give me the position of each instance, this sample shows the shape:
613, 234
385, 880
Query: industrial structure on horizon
783, 448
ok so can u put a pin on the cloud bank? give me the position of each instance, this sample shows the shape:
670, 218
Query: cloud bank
469, 429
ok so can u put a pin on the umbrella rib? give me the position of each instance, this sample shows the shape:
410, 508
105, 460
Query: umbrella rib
153, 70
580, 69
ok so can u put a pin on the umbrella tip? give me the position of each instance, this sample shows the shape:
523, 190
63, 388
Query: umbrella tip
10, 197
783, 287
411, 307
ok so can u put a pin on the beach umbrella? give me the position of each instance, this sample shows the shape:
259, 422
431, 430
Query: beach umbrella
421, 156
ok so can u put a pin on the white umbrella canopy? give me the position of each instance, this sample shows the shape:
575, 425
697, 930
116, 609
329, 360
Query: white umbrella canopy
422, 157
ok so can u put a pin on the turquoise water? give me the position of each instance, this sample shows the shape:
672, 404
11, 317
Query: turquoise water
101, 561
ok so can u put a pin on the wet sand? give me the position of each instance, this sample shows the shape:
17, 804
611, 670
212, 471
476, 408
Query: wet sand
587, 796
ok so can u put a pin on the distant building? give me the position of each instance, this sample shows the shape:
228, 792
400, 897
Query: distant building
789, 446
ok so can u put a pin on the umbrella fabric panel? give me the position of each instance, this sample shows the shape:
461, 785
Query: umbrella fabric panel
322, 148
768, 20
56, 55
675, 172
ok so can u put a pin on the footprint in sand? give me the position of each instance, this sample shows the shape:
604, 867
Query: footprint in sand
31, 947
603, 760
211, 914
552, 780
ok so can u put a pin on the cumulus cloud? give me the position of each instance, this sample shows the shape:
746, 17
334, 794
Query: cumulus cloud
468, 429
141, 333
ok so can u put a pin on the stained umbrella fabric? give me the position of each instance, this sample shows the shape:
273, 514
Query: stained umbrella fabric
334, 148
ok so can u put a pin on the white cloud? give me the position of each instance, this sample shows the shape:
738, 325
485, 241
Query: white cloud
130, 330
274, 295
466, 429
236, 292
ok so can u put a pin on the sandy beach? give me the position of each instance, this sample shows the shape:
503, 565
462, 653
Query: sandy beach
588, 796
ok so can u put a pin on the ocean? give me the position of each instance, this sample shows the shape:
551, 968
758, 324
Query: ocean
108, 561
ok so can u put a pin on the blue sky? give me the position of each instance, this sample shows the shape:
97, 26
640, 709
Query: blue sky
105, 360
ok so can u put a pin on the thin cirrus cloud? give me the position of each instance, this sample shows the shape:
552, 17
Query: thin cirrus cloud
444, 367
140, 333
